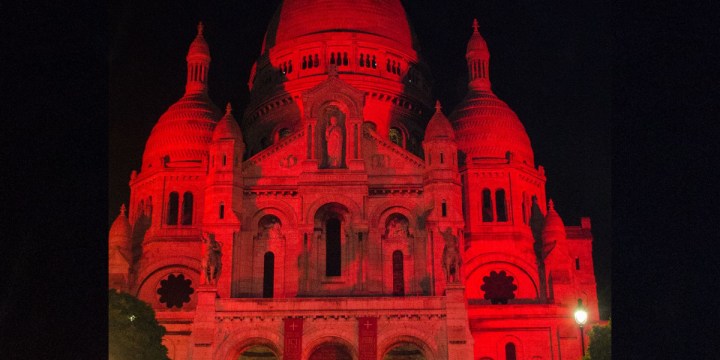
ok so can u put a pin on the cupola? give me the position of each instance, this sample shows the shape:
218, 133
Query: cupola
227, 127
120, 229
485, 126
439, 126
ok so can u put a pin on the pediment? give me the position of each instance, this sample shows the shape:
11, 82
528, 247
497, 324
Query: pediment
385, 158
280, 159
333, 89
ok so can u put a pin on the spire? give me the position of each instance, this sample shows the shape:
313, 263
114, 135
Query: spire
227, 127
551, 206
439, 125
478, 59
122, 210
438, 107
198, 63
228, 109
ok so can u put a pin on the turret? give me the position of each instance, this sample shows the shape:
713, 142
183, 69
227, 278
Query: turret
224, 181
120, 256
198, 63
439, 144
478, 61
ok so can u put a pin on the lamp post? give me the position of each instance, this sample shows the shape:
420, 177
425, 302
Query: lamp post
581, 316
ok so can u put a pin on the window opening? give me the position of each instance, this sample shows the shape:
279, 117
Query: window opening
487, 211
398, 277
187, 208
268, 275
172, 210
501, 205
444, 208
332, 247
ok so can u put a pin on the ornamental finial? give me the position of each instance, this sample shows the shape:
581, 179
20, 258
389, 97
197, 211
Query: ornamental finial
122, 210
200, 28
475, 26
551, 206
437, 106
228, 108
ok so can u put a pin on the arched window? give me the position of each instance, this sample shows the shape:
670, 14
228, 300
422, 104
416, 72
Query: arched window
283, 133
577, 263
221, 214
510, 351
487, 210
268, 274
172, 209
224, 160
187, 208
332, 247
501, 205
444, 208
398, 278
396, 136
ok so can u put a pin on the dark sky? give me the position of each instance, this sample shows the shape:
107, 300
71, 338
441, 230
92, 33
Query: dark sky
549, 62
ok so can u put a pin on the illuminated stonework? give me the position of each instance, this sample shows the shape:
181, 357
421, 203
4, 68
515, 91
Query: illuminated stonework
343, 216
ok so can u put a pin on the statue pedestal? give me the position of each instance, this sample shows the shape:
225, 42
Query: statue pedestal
460, 340
203, 329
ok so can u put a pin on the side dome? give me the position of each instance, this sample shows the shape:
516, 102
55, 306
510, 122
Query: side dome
554, 229
120, 229
486, 127
184, 131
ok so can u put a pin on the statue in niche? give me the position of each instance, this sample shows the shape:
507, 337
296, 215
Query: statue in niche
211, 264
334, 139
271, 228
397, 227
451, 257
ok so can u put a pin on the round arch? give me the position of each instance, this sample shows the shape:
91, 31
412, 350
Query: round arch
146, 288
145, 272
235, 344
282, 210
394, 338
519, 351
526, 282
329, 337
350, 204
380, 213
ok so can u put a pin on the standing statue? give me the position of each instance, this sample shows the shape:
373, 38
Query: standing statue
451, 257
211, 261
333, 137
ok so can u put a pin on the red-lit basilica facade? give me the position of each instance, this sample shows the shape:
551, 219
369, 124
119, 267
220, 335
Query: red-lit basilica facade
345, 216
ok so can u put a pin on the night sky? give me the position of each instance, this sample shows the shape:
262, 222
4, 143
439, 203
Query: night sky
549, 62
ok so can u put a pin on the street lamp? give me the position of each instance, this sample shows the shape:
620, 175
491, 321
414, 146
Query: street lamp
581, 316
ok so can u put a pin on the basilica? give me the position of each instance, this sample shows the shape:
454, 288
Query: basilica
344, 213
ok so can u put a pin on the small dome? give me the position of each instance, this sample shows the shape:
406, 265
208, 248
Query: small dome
184, 131
476, 43
121, 228
227, 127
439, 126
486, 127
199, 47
554, 229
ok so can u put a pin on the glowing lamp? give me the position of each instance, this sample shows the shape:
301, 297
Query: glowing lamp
581, 317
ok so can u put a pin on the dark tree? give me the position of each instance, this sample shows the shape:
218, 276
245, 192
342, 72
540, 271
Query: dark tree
600, 343
134, 333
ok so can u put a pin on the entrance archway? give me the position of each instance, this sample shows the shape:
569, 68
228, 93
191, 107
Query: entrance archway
258, 352
404, 351
331, 352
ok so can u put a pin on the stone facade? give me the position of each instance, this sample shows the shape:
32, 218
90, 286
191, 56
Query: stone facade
345, 218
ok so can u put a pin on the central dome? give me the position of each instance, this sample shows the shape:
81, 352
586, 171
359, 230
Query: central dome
298, 18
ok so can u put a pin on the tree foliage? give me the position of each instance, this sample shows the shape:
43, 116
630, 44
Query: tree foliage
600, 343
134, 333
